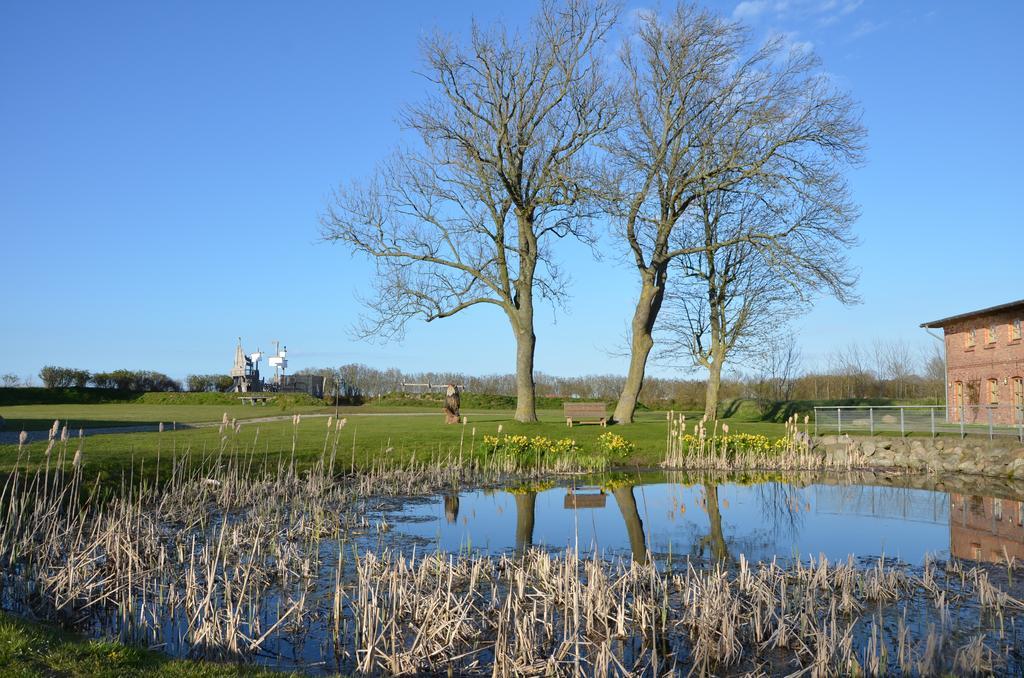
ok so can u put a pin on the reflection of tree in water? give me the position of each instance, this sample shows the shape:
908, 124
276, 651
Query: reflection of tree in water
451, 508
715, 537
526, 507
626, 502
780, 506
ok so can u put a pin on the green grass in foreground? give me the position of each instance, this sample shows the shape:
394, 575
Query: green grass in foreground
28, 649
367, 438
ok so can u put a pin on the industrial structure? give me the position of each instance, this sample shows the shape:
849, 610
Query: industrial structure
245, 374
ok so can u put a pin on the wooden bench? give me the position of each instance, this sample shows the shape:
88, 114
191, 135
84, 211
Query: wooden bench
584, 413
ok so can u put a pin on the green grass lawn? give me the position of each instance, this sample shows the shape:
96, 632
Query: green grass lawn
40, 417
370, 434
28, 649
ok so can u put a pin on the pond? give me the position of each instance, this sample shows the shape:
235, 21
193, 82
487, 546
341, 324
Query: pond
721, 519
616, 573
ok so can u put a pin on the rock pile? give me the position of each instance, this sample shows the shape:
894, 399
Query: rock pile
1001, 458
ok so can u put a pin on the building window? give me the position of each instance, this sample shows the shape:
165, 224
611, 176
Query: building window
997, 509
992, 333
993, 391
958, 396
972, 337
1015, 330
1020, 512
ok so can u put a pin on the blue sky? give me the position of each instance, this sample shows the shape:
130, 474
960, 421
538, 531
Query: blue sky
162, 167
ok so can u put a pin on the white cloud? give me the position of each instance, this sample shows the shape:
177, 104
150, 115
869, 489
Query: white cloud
750, 9
864, 28
850, 6
792, 43
802, 46
827, 12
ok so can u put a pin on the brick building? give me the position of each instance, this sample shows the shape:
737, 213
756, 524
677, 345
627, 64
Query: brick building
985, 364
986, 529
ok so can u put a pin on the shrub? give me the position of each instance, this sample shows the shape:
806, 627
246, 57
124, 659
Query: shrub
63, 377
204, 383
141, 381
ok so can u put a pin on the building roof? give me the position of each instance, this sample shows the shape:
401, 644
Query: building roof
942, 322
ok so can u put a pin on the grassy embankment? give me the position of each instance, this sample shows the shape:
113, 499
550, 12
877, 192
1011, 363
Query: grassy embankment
28, 649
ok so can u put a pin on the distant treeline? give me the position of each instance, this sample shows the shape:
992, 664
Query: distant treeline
216, 383
138, 381
882, 370
849, 378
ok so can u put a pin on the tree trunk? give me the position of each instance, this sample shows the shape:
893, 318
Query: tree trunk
642, 341
711, 390
526, 388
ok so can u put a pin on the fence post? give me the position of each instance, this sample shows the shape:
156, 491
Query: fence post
989, 422
932, 410
871, 419
839, 419
903, 433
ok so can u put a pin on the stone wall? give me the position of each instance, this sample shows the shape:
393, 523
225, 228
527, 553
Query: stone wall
998, 458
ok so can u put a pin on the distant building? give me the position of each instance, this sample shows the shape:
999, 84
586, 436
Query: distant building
302, 383
245, 375
985, 364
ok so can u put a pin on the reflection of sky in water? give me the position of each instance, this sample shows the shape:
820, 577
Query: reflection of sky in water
760, 521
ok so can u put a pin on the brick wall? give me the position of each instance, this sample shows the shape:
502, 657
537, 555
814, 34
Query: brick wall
972, 367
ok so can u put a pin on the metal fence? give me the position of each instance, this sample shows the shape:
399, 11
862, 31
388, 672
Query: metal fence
986, 420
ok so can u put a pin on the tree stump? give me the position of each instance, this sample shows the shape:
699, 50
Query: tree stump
451, 405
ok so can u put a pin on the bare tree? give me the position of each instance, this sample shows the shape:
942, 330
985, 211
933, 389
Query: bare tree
736, 299
703, 113
778, 368
500, 170
933, 368
894, 363
850, 363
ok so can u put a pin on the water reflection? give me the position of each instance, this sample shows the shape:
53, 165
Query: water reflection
626, 501
715, 538
526, 507
451, 508
717, 519
987, 529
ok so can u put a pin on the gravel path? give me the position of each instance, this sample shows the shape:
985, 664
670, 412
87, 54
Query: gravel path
11, 437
